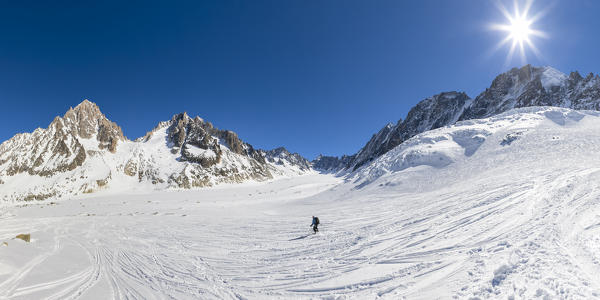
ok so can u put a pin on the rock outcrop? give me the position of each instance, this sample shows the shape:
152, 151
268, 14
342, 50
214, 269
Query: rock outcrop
535, 86
84, 152
58, 148
282, 157
524, 87
332, 164
188, 152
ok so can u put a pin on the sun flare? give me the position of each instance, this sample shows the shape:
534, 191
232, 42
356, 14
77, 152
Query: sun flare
519, 30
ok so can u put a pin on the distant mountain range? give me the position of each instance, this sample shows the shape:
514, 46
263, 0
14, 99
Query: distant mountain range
524, 87
84, 152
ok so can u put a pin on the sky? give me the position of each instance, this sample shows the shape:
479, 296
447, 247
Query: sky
315, 76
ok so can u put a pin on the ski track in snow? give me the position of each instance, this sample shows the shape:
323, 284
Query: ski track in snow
507, 222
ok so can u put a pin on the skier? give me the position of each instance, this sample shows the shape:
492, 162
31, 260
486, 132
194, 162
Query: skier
315, 224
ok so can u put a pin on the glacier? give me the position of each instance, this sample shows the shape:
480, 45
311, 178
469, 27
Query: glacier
494, 208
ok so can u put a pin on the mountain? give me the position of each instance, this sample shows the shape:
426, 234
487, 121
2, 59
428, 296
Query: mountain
58, 148
187, 152
332, 164
442, 147
286, 161
84, 152
524, 87
519, 190
431, 113
536, 86
504, 207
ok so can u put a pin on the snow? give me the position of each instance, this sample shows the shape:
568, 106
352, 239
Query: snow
199, 152
552, 77
488, 221
150, 164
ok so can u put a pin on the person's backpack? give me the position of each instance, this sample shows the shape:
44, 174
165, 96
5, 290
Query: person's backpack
316, 221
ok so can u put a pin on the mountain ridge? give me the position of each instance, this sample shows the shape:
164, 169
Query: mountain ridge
83, 152
519, 87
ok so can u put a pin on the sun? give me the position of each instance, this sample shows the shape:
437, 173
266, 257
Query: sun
519, 30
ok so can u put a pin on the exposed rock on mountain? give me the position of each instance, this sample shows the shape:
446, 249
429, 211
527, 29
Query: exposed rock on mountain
431, 113
46, 152
524, 87
86, 121
332, 163
535, 86
282, 157
186, 153
199, 141
83, 152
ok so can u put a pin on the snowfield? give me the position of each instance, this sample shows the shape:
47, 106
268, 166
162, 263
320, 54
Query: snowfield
504, 207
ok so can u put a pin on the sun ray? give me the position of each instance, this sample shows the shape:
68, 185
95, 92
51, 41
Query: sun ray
523, 55
545, 10
502, 9
538, 33
519, 29
535, 50
510, 54
528, 4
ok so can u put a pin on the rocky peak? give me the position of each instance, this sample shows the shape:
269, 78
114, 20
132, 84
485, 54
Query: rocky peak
575, 76
66, 156
86, 121
514, 77
281, 156
519, 87
58, 148
535, 86
589, 77
503, 92
199, 141
326, 163
433, 112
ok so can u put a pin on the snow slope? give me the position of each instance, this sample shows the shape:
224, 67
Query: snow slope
505, 207
524, 87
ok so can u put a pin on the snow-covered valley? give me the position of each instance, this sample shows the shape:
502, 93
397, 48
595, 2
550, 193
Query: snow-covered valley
504, 207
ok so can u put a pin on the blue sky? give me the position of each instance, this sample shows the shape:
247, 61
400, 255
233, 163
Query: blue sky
313, 76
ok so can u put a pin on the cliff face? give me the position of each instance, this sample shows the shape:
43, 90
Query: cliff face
536, 86
189, 152
83, 152
58, 148
431, 113
332, 164
86, 121
524, 87
281, 156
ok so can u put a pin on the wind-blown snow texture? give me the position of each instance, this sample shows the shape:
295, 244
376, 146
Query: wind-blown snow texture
525, 87
503, 207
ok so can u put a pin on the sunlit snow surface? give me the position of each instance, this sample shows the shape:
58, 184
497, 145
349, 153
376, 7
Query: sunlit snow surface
496, 208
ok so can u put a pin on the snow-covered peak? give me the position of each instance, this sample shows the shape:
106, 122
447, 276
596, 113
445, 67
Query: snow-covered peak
519, 87
281, 157
552, 77
535, 86
433, 112
83, 152
64, 146
87, 121
442, 147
